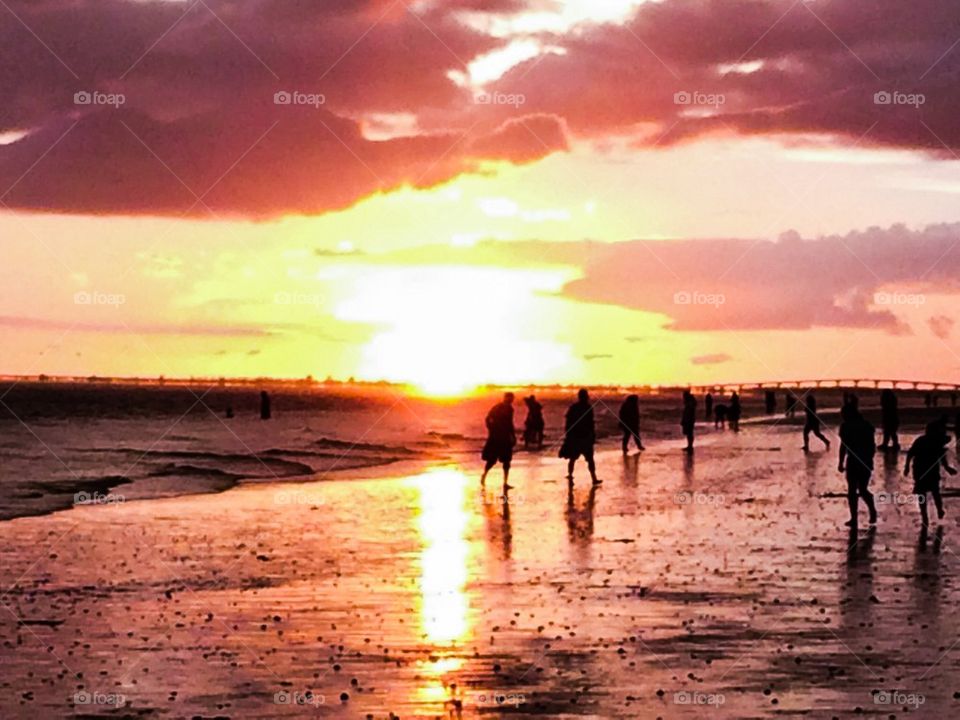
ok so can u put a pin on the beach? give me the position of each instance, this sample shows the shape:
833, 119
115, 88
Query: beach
721, 585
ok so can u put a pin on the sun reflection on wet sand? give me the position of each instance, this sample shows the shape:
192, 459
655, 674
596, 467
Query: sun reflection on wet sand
444, 605
442, 523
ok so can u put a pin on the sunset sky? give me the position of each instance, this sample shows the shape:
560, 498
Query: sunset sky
460, 192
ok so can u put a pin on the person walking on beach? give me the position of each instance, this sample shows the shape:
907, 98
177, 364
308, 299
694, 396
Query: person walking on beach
579, 436
770, 402
689, 419
708, 406
735, 412
533, 426
265, 412
630, 422
857, 447
501, 437
889, 420
928, 453
812, 424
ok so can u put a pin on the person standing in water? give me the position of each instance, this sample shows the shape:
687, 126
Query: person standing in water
812, 424
889, 420
533, 426
735, 412
265, 413
689, 418
928, 453
857, 447
501, 437
630, 422
579, 436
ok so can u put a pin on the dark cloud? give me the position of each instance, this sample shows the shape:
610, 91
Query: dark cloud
198, 82
941, 326
713, 359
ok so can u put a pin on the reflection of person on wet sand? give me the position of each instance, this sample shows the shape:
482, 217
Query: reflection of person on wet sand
533, 426
812, 424
501, 437
579, 436
580, 523
928, 453
889, 420
857, 448
630, 422
688, 420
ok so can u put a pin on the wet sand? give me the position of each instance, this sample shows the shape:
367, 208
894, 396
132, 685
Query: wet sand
722, 586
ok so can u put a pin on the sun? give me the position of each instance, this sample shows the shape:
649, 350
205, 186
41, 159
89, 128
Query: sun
446, 330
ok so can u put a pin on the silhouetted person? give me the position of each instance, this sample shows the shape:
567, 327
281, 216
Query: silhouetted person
501, 437
956, 431
533, 425
630, 422
688, 420
720, 413
770, 402
928, 400
812, 424
889, 420
735, 412
857, 447
928, 453
229, 412
789, 404
264, 405
579, 435
708, 407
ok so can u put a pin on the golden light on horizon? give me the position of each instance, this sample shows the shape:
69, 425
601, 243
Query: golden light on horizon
448, 329
442, 524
